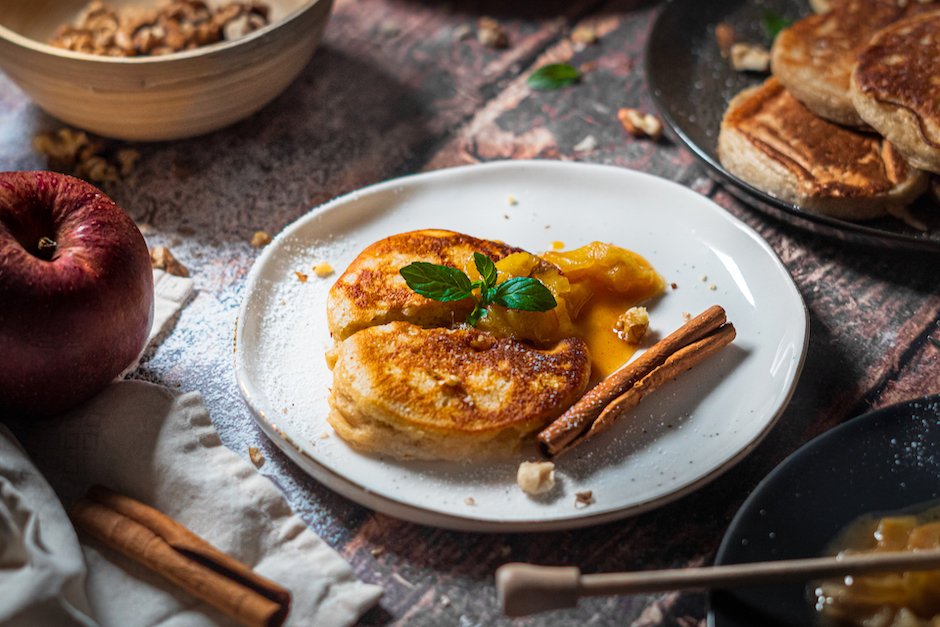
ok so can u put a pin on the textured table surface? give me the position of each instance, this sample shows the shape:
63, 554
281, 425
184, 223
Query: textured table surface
393, 91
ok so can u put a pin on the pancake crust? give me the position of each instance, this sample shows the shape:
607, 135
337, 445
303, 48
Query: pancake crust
456, 394
372, 291
773, 142
814, 57
896, 87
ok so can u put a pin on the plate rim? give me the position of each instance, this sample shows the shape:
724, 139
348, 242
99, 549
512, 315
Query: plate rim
363, 495
825, 225
822, 440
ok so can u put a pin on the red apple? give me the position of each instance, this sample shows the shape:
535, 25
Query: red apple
76, 292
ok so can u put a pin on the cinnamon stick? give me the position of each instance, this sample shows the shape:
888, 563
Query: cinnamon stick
573, 426
167, 547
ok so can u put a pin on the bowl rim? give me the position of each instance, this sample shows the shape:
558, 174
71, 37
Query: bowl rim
218, 47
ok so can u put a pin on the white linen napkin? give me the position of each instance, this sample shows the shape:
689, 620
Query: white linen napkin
158, 447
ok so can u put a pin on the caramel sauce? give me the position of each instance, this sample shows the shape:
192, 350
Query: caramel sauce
595, 285
889, 599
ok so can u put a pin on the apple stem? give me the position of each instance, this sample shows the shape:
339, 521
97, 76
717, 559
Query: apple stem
46, 247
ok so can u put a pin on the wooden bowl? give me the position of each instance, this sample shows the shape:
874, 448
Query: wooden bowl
156, 97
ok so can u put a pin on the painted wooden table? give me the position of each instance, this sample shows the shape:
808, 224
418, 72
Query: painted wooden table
398, 88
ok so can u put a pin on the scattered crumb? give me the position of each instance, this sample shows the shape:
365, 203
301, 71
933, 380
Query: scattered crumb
536, 477
283, 302
640, 124
491, 33
704, 278
162, 259
632, 325
445, 600
323, 269
260, 239
587, 144
402, 580
558, 245
512, 200
377, 550
548, 226
725, 36
713, 287
469, 501
301, 277
586, 35
389, 28
583, 499
750, 58
256, 457
505, 216
674, 286
464, 31
324, 435
588, 66
686, 316
144, 228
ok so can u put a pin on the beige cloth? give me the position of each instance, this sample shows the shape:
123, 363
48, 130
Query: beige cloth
159, 447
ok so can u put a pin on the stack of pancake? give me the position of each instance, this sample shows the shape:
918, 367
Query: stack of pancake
849, 123
411, 382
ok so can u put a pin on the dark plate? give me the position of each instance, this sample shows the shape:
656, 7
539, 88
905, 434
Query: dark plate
880, 462
692, 84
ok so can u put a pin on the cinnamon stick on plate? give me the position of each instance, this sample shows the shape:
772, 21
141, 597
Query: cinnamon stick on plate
167, 547
621, 391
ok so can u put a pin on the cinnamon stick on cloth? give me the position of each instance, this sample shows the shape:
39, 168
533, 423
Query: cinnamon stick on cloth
159, 447
620, 392
170, 549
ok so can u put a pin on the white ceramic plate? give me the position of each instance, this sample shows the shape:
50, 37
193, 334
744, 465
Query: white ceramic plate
680, 437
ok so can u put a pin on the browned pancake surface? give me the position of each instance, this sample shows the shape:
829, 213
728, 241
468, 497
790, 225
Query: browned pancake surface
458, 380
825, 159
372, 291
901, 67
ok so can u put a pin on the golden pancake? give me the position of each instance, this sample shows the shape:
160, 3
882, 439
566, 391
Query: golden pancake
896, 87
372, 291
773, 142
814, 57
456, 394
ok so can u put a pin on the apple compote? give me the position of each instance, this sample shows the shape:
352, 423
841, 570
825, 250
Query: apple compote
910, 599
593, 285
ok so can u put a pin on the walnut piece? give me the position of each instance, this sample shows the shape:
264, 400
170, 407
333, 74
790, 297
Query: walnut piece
256, 457
175, 26
584, 35
725, 36
536, 477
260, 240
640, 124
632, 324
750, 58
162, 259
583, 499
491, 33
74, 152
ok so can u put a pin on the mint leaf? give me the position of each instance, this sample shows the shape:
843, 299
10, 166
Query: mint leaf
487, 270
553, 76
524, 293
437, 282
774, 23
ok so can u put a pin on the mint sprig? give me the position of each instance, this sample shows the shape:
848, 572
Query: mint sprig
774, 23
553, 76
449, 284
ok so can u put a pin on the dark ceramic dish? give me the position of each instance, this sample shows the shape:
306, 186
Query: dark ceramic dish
692, 84
880, 462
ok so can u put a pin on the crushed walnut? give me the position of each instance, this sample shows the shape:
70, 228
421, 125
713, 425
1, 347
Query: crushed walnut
583, 499
585, 35
322, 269
301, 276
750, 58
74, 152
536, 477
260, 240
686, 316
491, 33
632, 324
726, 37
469, 501
178, 25
640, 124
162, 259
256, 457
